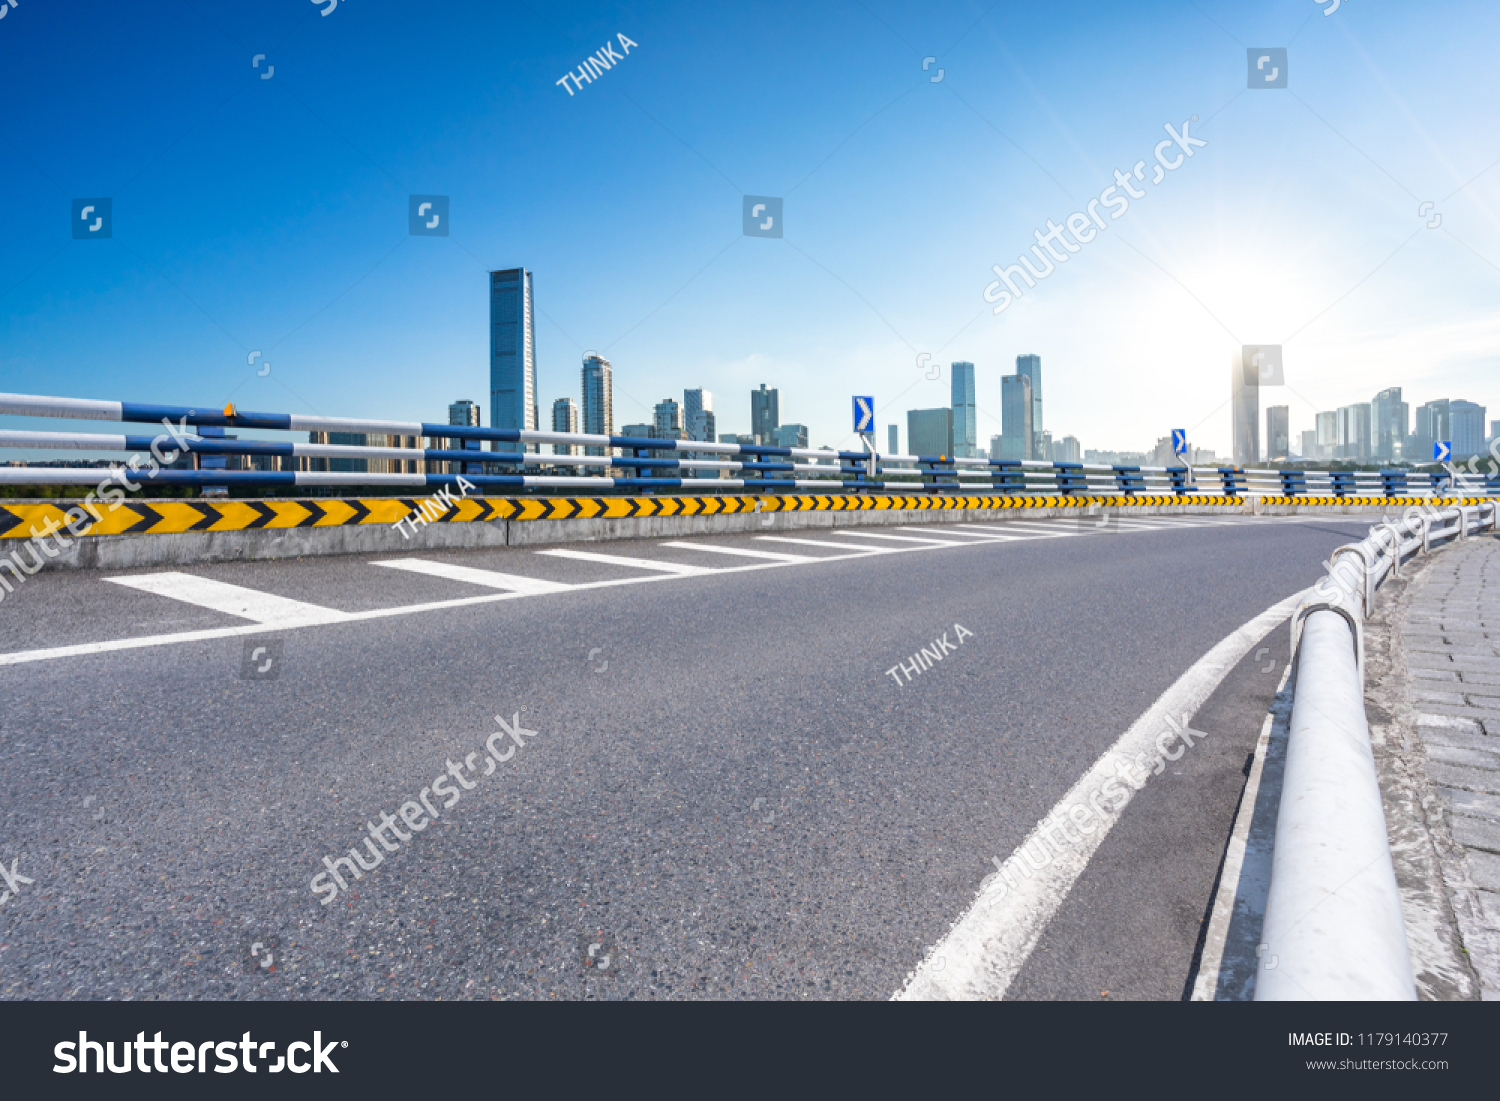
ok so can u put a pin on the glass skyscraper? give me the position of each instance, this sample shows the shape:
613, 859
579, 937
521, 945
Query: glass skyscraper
929, 432
765, 413
598, 401
512, 351
965, 419
1030, 367
1017, 435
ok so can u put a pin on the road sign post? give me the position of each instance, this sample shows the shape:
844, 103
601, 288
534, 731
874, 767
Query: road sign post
864, 424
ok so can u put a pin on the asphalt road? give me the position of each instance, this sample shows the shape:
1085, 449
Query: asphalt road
727, 795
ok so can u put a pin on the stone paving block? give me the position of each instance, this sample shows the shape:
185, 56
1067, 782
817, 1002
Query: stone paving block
1476, 833
1438, 735
1449, 722
1457, 711
1489, 902
1472, 803
1484, 869
1434, 674
1431, 695
1453, 755
1469, 779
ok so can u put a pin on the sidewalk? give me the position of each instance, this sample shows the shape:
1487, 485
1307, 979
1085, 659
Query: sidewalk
1433, 688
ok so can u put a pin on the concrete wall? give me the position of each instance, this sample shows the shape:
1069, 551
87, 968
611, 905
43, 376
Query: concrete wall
135, 551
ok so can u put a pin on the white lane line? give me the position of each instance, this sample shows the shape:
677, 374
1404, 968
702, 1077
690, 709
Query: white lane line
1029, 531
744, 552
991, 942
678, 568
493, 579
983, 536
904, 538
231, 599
850, 550
1226, 971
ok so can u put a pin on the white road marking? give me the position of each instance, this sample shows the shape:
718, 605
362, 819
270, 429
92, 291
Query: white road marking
902, 538
851, 551
494, 579
1033, 531
971, 534
1245, 880
638, 563
987, 948
229, 599
744, 552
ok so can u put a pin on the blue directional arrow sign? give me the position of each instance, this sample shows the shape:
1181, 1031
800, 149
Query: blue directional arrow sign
1179, 441
864, 414
1442, 451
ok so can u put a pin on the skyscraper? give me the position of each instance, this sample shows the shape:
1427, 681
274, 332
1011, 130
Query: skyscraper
668, 420
465, 414
1466, 422
1309, 443
512, 351
1278, 432
1328, 435
965, 418
929, 432
1432, 426
1245, 396
1030, 366
698, 415
598, 401
895, 442
1389, 417
1017, 437
765, 413
564, 419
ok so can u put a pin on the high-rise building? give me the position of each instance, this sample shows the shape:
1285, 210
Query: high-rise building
997, 448
1389, 417
598, 401
512, 351
1244, 393
1353, 432
790, 435
1466, 423
1030, 366
929, 432
1046, 452
1432, 425
1278, 432
1309, 443
1068, 450
564, 419
965, 415
698, 415
464, 413
765, 413
1328, 435
895, 442
1016, 410
668, 420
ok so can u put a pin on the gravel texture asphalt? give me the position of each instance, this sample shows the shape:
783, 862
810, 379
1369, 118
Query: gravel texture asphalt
727, 796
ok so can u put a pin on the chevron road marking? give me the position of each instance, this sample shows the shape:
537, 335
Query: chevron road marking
621, 560
264, 608
742, 552
494, 579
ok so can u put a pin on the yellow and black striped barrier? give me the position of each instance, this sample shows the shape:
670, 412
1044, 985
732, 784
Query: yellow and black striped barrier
21, 521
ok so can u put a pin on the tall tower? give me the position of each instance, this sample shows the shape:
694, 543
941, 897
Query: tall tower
512, 351
598, 401
765, 413
965, 419
1030, 367
1244, 392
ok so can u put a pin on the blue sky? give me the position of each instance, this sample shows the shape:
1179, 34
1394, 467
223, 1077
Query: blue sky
270, 214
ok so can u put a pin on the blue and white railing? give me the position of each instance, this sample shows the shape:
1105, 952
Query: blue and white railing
652, 463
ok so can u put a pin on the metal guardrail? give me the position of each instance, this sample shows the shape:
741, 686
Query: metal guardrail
648, 460
1333, 928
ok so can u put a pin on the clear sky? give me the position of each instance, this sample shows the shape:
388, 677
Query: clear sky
271, 214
